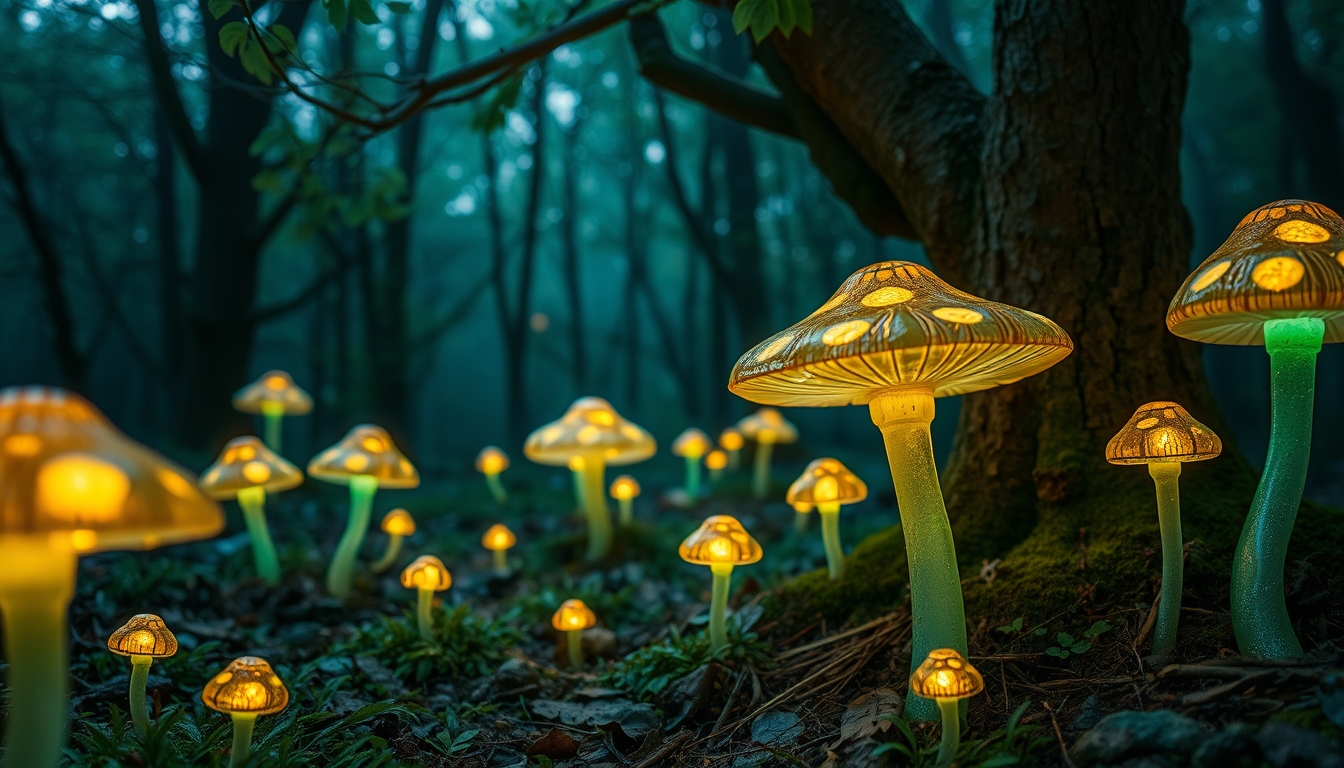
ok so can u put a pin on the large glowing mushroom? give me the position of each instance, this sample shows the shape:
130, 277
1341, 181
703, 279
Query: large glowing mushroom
70, 484
894, 337
274, 396
721, 543
828, 484
692, 445
947, 677
491, 462
247, 470
766, 427
1277, 282
426, 575
144, 638
245, 690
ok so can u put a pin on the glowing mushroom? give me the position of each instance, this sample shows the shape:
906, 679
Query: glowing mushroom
592, 431
947, 678
397, 524
426, 575
731, 441
490, 462
894, 337
247, 689
247, 470
366, 460
715, 461
144, 638
692, 445
576, 474
801, 511
572, 617
721, 543
1278, 281
1164, 436
625, 489
828, 484
767, 427
274, 396
499, 540
72, 485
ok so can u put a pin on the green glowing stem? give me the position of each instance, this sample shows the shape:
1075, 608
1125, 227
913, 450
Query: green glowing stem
715, 477
801, 521
1166, 476
595, 507
501, 562
734, 459
935, 580
578, 490
424, 620
574, 638
627, 507
760, 483
496, 488
718, 605
341, 573
947, 749
1259, 614
139, 677
253, 503
693, 477
273, 414
830, 536
242, 739
390, 556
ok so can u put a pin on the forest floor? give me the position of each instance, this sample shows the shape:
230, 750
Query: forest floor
493, 689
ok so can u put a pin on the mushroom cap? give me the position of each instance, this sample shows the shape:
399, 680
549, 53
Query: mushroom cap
945, 674
768, 426
802, 507
1285, 259
720, 539
491, 460
827, 481
65, 470
624, 487
730, 439
497, 537
398, 522
573, 614
896, 324
692, 443
273, 387
248, 686
246, 462
144, 635
590, 427
716, 459
426, 572
1160, 432
365, 450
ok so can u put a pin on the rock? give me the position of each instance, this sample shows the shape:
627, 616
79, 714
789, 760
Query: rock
1290, 746
514, 674
1233, 747
777, 729
1088, 715
599, 643
1124, 735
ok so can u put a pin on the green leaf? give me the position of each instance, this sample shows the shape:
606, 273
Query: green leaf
363, 12
286, 38
1081, 647
231, 36
760, 16
1015, 626
1064, 639
787, 18
1053, 651
1039, 631
803, 10
1097, 629
218, 8
398, 7
336, 13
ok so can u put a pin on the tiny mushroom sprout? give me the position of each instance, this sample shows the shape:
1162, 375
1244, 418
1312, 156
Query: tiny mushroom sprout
731, 441
144, 638
397, 524
491, 462
499, 540
274, 396
1164, 436
895, 337
70, 485
593, 432
572, 617
692, 445
828, 484
721, 543
1278, 282
801, 509
366, 460
426, 575
245, 690
715, 461
767, 427
947, 678
247, 470
625, 489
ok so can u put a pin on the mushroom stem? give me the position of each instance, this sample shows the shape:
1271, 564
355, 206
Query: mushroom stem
390, 556
496, 487
273, 414
1166, 476
594, 499
578, 489
253, 503
830, 536
734, 459
627, 507
718, 605
693, 478
501, 562
947, 749
139, 677
574, 638
424, 620
36, 585
760, 483
935, 580
715, 476
1259, 615
341, 573
800, 521
242, 738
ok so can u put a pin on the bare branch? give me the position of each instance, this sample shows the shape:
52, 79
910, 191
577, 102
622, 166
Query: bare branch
165, 91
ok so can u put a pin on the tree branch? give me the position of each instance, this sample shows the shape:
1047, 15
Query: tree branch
281, 308
165, 90
455, 314
702, 238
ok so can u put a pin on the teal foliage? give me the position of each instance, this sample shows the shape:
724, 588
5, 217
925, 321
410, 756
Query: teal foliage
649, 670
465, 645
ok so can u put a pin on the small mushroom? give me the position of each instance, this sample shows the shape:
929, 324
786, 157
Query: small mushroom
572, 617
144, 638
731, 441
247, 689
625, 489
721, 543
692, 445
499, 540
247, 470
947, 678
274, 396
365, 459
491, 462
426, 575
828, 484
767, 427
1164, 436
801, 514
715, 461
397, 524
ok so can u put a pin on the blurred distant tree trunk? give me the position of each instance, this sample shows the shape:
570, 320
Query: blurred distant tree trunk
573, 273
170, 260
633, 246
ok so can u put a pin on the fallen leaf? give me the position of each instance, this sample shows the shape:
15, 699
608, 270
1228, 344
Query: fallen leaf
555, 744
865, 716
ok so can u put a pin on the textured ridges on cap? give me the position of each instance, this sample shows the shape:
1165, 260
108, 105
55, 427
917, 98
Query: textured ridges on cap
365, 450
248, 686
143, 635
246, 462
273, 387
1162, 431
946, 674
827, 481
590, 427
721, 539
573, 614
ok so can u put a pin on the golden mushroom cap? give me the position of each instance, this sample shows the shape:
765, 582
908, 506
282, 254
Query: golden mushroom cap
716, 459
590, 427
573, 614
730, 439
497, 537
365, 450
720, 539
692, 443
896, 324
945, 674
768, 426
801, 507
144, 635
491, 461
426, 572
624, 487
246, 462
1159, 432
274, 387
398, 522
827, 481
575, 463
66, 471
248, 686
1285, 259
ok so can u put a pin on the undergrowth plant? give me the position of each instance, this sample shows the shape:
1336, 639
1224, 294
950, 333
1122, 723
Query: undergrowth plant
615, 608
464, 645
649, 670
1014, 744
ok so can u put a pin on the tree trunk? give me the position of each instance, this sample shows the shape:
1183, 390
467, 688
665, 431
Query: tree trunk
569, 236
170, 261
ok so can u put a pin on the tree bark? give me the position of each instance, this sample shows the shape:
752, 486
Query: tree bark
573, 273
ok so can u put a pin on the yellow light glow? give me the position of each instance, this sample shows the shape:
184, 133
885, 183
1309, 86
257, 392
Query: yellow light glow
624, 487
845, 332
825, 490
575, 463
256, 472
83, 540
959, 315
731, 440
243, 453
276, 382
356, 462
716, 460
1299, 231
1339, 257
1278, 274
802, 507
539, 322
373, 444
492, 464
23, 445
1210, 276
398, 522
1147, 423
774, 347
573, 615
721, 551
498, 537
427, 572
79, 488
885, 297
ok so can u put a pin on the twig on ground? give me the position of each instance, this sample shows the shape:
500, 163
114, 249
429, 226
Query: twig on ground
1063, 750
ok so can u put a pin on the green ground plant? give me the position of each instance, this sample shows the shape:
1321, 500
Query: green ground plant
648, 671
465, 645
1014, 744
